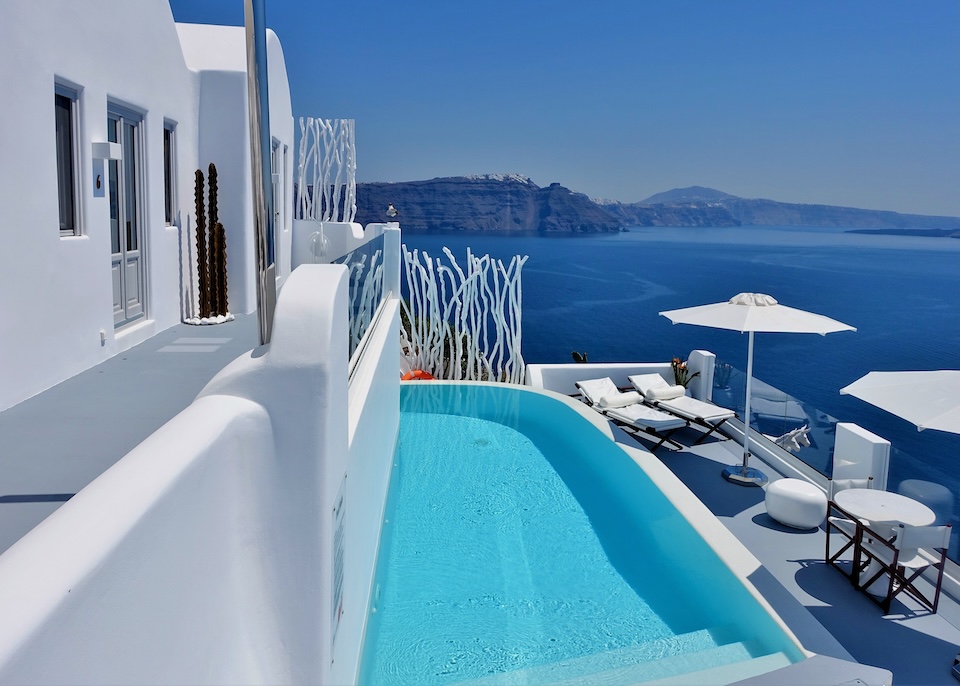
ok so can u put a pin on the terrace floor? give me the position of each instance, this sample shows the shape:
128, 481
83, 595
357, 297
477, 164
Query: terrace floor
60, 440
917, 646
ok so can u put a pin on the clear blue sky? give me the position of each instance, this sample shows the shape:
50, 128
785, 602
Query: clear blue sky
851, 103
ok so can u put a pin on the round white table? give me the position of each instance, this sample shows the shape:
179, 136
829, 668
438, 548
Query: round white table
884, 506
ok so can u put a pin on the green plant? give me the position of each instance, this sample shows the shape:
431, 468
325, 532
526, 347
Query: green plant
218, 249
211, 248
681, 373
202, 273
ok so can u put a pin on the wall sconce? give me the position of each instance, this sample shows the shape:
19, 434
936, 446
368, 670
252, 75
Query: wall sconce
107, 151
99, 153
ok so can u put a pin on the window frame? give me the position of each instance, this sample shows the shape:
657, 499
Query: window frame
72, 95
169, 172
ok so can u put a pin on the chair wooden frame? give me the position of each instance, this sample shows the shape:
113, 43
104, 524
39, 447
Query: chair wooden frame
851, 530
647, 432
903, 575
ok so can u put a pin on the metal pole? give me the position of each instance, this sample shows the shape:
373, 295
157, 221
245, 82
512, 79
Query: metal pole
746, 409
260, 149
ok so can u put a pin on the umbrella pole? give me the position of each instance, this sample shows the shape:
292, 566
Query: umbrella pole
746, 408
743, 474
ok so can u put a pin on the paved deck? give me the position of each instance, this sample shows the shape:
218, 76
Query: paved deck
917, 646
57, 442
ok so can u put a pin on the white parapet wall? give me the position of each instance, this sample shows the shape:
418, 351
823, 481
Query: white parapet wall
234, 545
859, 453
322, 242
562, 378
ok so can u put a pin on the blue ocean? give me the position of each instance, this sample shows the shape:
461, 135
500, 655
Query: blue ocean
602, 295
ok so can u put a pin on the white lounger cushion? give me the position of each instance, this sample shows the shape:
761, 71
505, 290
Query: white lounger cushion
620, 399
696, 409
595, 389
643, 416
645, 383
683, 405
601, 392
665, 392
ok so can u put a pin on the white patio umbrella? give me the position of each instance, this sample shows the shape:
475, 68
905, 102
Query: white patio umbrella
754, 312
931, 400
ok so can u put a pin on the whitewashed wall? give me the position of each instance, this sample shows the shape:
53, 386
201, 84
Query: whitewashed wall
205, 555
57, 293
374, 422
562, 378
320, 242
218, 56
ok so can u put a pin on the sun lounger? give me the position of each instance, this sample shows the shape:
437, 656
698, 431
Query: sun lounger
658, 393
627, 410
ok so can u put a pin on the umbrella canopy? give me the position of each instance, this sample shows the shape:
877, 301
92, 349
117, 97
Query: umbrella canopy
750, 313
756, 312
931, 400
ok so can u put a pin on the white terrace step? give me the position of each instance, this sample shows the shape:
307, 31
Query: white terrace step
680, 667
727, 674
583, 669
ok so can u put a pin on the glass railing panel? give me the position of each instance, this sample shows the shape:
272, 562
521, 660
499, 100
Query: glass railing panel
779, 416
366, 287
923, 482
776, 414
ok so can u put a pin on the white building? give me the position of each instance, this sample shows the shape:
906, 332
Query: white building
109, 109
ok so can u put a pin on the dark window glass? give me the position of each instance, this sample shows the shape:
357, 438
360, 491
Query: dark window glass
65, 164
131, 157
168, 175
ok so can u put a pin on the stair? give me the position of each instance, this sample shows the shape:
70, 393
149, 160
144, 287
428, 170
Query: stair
727, 674
695, 657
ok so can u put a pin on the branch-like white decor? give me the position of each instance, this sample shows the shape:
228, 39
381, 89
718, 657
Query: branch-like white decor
463, 325
327, 170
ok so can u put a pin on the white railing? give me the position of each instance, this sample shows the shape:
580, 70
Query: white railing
327, 170
463, 324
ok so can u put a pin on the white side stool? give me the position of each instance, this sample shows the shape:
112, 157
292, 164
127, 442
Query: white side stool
796, 503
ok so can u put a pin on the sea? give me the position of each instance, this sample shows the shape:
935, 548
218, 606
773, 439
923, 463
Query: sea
602, 294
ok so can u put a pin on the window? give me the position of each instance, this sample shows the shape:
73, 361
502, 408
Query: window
169, 175
65, 108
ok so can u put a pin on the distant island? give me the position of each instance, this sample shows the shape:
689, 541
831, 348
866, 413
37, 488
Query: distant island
512, 203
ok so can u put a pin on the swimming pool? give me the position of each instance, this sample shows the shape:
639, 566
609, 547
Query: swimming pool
522, 544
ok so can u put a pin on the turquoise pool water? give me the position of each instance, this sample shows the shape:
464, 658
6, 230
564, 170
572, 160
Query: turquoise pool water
520, 539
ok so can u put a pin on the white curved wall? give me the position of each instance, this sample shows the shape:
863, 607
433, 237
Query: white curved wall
206, 555
154, 573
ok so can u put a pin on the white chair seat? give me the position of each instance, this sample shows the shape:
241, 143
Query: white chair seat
915, 548
796, 503
694, 409
646, 416
847, 526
